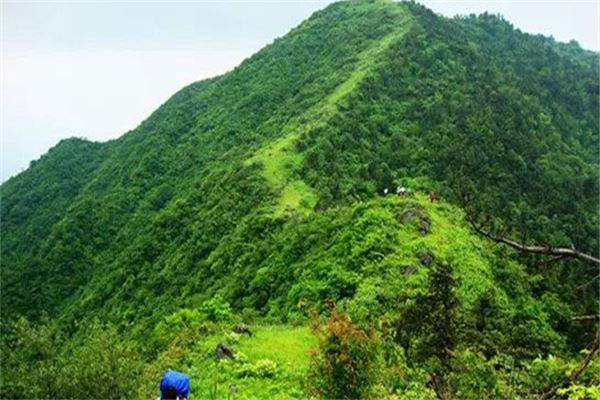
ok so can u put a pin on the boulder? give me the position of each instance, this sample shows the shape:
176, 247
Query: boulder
409, 270
426, 259
242, 329
424, 223
223, 351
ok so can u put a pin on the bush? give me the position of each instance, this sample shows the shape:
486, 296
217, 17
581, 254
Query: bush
39, 363
580, 392
264, 368
343, 365
472, 376
30, 359
216, 309
101, 366
182, 320
232, 338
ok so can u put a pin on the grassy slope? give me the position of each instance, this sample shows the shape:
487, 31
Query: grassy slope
288, 347
197, 229
280, 160
181, 166
390, 277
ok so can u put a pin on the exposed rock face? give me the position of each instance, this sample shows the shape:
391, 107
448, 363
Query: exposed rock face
427, 258
242, 329
409, 270
223, 351
424, 224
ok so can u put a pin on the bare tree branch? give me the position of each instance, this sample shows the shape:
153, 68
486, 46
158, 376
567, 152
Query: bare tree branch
586, 284
557, 251
584, 317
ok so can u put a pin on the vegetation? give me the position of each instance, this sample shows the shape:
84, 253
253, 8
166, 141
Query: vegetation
344, 364
259, 195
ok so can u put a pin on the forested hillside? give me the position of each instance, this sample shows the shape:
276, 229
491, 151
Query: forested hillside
268, 195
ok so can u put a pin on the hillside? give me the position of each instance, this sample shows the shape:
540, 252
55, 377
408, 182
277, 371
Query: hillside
261, 192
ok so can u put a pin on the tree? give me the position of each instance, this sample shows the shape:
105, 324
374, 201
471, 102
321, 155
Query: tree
343, 365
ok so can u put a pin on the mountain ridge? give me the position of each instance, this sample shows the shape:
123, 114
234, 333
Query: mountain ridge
284, 159
274, 186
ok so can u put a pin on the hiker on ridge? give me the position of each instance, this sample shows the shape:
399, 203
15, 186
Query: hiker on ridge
174, 386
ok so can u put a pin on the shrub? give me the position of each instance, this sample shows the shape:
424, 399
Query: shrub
264, 368
580, 392
216, 309
102, 366
472, 376
232, 338
343, 365
182, 320
30, 359
39, 363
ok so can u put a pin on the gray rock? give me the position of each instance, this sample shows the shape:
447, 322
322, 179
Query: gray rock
427, 259
223, 351
409, 270
424, 226
424, 223
242, 329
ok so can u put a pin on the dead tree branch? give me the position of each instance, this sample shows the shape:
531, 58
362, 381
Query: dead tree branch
548, 250
586, 284
584, 317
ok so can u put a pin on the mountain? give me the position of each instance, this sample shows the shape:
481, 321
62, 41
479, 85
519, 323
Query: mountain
264, 189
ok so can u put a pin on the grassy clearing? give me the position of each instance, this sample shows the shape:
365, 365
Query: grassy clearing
270, 364
297, 196
278, 158
287, 346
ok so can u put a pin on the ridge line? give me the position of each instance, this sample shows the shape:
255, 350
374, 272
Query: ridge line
278, 157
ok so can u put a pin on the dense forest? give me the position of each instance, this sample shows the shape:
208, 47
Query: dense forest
348, 192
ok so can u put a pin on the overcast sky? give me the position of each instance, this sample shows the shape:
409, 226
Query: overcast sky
96, 69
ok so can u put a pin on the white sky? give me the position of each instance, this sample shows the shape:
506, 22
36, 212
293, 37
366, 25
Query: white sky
97, 69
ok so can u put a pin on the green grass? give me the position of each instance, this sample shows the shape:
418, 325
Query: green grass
279, 158
296, 196
451, 241
286, 346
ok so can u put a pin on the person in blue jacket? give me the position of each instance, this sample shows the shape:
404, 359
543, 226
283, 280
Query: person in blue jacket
174, 386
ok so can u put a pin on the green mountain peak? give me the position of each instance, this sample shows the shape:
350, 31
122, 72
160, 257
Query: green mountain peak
279, 188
